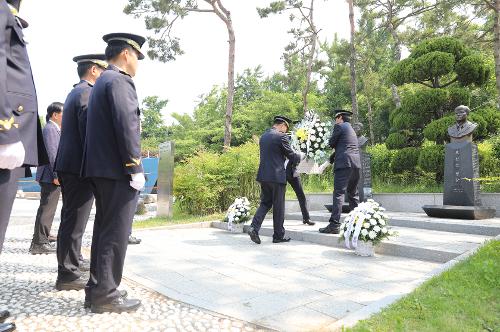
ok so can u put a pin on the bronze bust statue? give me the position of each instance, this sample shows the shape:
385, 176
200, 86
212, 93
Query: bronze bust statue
358, 128
462, 130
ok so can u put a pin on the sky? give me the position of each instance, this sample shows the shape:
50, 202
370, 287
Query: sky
62, 29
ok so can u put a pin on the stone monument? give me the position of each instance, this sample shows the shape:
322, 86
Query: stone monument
461, 197
165, 180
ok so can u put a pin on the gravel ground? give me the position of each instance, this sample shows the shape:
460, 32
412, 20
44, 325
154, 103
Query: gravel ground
27, 290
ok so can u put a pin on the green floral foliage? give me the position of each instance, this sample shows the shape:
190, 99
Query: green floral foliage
492, 118
396, 141
471, 70
405, 160
431, 159
433, 64
208, 182
441, 44
437, 130
381, 158
489, 164
495, 146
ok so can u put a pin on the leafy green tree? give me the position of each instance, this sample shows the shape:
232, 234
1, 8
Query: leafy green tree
153, 130
305, 35
160, 17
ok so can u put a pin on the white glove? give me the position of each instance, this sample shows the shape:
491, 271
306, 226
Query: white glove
138, 181
324, 166
302, 156
12, 155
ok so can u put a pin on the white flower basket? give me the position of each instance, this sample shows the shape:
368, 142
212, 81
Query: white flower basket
235, 228
365, 249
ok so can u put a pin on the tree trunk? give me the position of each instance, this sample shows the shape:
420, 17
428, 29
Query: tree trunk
310, 61
370, 121
397, 57
496, 48
230, 86
225, 16
352, 66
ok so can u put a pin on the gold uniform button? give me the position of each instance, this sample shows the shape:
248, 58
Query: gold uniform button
20, 108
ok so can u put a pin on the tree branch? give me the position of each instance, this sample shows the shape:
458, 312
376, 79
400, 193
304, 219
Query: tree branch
450, 82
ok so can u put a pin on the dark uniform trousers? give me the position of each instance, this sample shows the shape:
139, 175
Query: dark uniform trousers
49, 197
272, 196
116, 203
345, 180
77, 202
301, 197
8, 190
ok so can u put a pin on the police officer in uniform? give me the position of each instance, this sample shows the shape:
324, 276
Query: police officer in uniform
274, 150
21, 142
76, 191
347, 168
112, 161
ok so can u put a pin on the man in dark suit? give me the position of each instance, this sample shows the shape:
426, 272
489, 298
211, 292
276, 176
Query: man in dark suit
293, 178
49, 183
347, 166
112, 161
76, 191
21, 143
274, 150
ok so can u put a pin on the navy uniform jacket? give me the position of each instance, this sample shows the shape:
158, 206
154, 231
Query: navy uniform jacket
274, 149
74, 124
51, 136
345, 143
18, 104
112, 145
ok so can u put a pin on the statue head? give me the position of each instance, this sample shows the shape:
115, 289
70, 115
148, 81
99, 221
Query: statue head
461, 113
358, 128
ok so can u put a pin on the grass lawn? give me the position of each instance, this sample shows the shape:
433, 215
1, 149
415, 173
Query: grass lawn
464, 298
178, 218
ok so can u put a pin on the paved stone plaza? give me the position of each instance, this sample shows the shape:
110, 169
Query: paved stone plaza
202, 278
27, 290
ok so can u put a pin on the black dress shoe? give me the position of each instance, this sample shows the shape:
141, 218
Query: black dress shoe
123, 294
332, 228
281, 240
308, 222
133, 240
253, 235
76, 284
84, 265
4, 314
42, 249
118, 305
7, 327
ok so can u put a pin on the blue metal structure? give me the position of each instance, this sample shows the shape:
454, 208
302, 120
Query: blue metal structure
150, 170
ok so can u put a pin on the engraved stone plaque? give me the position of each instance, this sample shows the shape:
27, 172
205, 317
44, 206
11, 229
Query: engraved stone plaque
165, 180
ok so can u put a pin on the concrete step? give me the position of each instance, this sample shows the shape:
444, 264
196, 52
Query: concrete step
422, 244
490, 227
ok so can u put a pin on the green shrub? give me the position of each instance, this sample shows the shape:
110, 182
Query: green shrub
495, 146
492, 118
405, 160
437, 130
396, 141
381, 158
208, 182
431, 159
489, 164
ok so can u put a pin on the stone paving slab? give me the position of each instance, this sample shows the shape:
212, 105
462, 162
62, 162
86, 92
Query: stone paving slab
425, 244
489, 227
294, 286
27, 290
